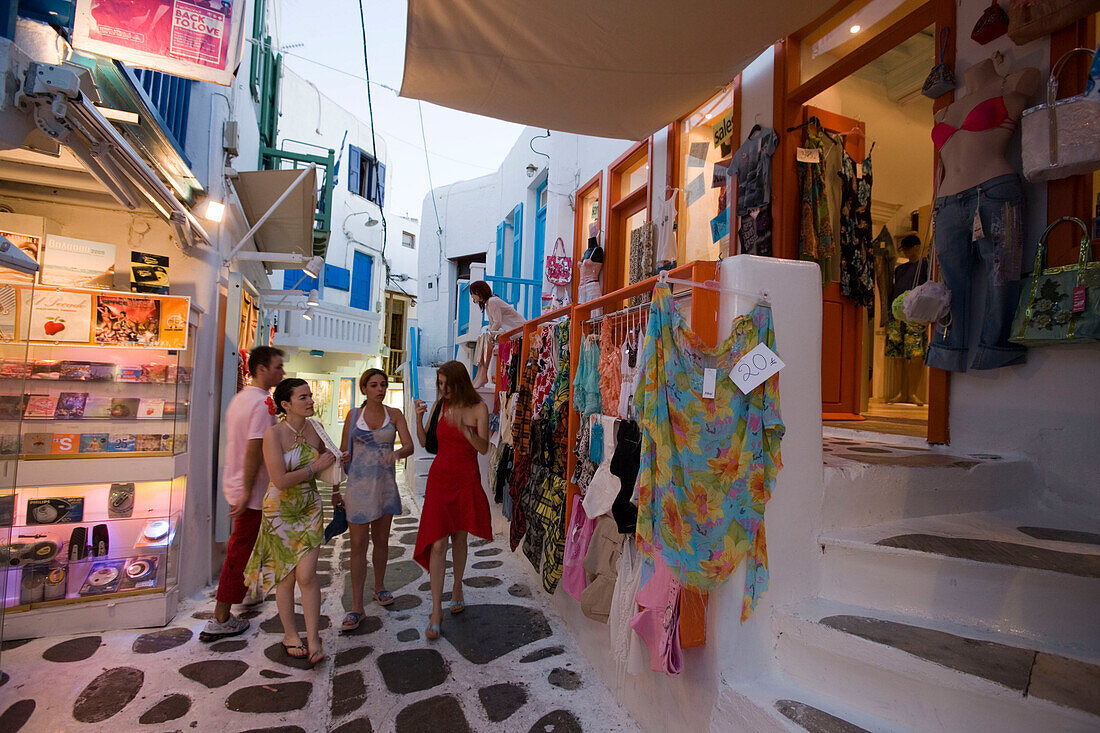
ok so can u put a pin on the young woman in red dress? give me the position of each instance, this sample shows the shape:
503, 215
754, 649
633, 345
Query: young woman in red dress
455, 504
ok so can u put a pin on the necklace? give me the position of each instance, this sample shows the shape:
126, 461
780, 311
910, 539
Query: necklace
299, 435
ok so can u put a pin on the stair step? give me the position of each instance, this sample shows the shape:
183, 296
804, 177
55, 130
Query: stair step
978, 570
774, 702
868, 483
935, 676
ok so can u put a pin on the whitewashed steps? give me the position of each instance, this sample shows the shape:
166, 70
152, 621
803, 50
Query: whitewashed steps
932, 676
973, 569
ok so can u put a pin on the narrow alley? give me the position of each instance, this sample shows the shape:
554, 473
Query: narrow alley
506, 663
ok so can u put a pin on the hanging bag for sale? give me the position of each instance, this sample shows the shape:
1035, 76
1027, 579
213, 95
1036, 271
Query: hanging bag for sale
559, 267
1032, 19
941, 79
1061, 137
991, 25
1059, 305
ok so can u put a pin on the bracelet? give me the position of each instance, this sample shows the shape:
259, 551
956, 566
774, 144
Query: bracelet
309, 468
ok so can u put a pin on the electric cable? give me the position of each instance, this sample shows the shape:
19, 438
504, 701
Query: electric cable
373, 143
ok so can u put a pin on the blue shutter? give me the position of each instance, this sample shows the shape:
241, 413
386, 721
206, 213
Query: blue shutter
517, 251
299, 280
338, 278
361, 267
354, 162
463, 308
499, 270
540, 251
380, 186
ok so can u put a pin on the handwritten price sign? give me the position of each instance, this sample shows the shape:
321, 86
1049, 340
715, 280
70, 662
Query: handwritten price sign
753, 368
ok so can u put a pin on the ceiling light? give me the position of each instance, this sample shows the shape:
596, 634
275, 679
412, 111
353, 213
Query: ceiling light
855, 29
313, 298
308, 314
314, 266
215, 210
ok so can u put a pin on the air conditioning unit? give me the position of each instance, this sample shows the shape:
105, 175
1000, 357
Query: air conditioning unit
230, 137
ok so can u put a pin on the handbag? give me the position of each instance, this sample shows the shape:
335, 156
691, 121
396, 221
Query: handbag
334, 474
431, 438
1061, 137
929, 302
559, 267
941, 79
1059, 304
1031, 19
991, 25
338, 525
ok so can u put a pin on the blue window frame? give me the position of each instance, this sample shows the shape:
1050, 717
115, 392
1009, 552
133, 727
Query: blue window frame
540, 239
366, 176
337, 277
517, 250
362, 266
463, 308
499, 269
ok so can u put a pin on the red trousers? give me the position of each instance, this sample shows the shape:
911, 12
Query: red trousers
242, 539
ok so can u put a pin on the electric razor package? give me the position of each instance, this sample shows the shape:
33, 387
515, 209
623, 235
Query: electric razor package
120, 501
55, 510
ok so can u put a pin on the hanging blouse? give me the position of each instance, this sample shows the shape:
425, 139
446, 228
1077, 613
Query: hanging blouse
548, 370
816, 228
586, 383
608, 366
707, 465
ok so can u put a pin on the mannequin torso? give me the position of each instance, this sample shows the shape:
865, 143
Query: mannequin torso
591, 264
969, 157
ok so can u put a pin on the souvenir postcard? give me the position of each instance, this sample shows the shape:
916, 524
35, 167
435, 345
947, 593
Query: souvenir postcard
40, 405
121, 442
98, 406
151, 409
124, 406
70, 405
93, 442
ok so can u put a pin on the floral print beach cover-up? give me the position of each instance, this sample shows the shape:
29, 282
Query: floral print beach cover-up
292, 525
708, 465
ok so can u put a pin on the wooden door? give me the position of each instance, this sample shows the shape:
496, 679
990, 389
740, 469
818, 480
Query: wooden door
841, 318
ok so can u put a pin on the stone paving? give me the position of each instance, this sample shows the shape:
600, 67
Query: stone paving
507, 663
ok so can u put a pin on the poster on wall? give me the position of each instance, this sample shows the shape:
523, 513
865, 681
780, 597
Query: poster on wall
322, 397
122, 320
9, 300
30, 244
148, 273
68, 262
60, 315
196, 39
346, 399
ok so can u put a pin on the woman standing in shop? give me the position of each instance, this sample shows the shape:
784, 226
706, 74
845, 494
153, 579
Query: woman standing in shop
372, 499
292, 528
454, 502
502, 317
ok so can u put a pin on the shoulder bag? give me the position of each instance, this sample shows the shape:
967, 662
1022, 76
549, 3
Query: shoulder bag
431, 440
1059, 305
559, 267
1061, 137
1032, 19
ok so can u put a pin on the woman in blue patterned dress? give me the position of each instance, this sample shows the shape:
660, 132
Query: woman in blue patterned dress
371, 499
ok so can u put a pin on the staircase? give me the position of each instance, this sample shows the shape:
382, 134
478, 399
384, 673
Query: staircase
947, 602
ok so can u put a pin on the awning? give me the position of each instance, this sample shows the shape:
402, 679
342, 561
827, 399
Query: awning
612, 68
289, 229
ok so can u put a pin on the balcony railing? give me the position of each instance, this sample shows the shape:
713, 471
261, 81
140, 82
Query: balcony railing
332, 328
523, 295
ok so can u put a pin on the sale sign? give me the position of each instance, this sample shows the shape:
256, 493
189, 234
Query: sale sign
197, 39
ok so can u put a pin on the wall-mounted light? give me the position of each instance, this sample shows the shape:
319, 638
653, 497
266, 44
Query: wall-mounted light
308, 314
314, 266
313, 298
532, 169
215, 210
855, 29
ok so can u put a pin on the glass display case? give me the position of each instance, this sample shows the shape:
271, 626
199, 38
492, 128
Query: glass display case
93, 431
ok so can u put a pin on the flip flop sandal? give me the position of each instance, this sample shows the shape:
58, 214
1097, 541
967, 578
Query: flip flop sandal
290, 649
457, 607
351, 621
383, 597
433, 632
316, 659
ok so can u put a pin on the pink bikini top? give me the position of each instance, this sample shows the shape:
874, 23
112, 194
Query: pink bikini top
985, 116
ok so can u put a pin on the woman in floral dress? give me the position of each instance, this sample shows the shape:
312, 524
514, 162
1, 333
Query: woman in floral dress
292, 529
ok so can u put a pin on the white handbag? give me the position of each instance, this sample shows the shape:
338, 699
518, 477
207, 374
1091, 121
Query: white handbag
1061, 138
334, 474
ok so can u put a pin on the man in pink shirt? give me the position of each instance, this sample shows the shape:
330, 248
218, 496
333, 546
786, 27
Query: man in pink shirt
244, 482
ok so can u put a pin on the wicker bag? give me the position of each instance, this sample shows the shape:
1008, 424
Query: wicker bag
1061, 137
559, 267
1031, 19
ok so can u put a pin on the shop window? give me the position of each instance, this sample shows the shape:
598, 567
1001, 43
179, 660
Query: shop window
707, 137
586, 220
628, 186
338, 278
408, 240
849, 29
362, 267
366, 175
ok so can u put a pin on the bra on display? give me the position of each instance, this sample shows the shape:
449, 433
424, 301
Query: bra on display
985, 116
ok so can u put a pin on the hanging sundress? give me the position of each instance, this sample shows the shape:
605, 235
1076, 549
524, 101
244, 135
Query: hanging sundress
707, 465
857, 258
815, 240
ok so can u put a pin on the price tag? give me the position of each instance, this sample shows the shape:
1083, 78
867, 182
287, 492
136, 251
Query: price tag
754, 367
807, 155
1079, 299
977, 231
859, 171
710, 378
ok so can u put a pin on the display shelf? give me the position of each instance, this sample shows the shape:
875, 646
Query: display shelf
83, 599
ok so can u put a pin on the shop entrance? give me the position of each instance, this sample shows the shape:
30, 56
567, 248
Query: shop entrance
874, 132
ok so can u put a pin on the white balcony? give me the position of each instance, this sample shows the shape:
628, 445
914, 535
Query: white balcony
332, 328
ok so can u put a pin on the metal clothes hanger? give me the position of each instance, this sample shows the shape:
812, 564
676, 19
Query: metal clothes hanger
664, 279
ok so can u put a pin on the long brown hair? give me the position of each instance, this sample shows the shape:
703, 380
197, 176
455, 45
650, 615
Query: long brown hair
462, 392
483, 290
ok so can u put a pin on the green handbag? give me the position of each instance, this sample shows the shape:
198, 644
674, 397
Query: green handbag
1046, 311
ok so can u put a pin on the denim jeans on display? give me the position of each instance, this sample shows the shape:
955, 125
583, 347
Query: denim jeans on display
999, 255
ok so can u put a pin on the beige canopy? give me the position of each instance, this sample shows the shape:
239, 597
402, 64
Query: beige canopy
611, 68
